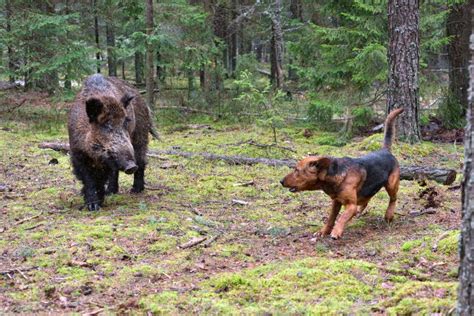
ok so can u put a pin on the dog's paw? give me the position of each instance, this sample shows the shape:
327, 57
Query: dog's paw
336, 233
323, 232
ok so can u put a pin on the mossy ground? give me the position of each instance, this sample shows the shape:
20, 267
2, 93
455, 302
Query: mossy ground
264, 260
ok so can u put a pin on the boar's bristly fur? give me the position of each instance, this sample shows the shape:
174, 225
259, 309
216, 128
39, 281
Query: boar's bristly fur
108, 127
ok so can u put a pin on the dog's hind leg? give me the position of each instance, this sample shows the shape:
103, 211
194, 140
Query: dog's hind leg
392, 190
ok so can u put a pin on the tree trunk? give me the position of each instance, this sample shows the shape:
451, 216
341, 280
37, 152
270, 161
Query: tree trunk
202, 78
48, 81
277, 47
296, 13
296, 10
10, 53
220, 30
96, 34
111, 59
67, 76
149, 69
403, 57
458, 27
124, 75
139, 68
234, 39
466, 244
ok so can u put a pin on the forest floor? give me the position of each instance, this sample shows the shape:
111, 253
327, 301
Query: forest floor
259, 255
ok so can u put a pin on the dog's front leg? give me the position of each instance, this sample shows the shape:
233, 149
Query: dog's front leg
350, 212
335, 208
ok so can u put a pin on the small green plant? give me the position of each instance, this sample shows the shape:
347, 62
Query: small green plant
265, 101
320, 112
363, 115
424, 119
451, 112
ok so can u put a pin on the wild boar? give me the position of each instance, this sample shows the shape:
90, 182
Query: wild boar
108, 127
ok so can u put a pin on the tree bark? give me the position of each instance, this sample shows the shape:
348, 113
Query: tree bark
403, 57
296, 10
277, 47
220, 21
150, 69
67, 76
111, 59
466, 243
139, 68
10, 53
96, 34
296, 13
234, 39
458, 27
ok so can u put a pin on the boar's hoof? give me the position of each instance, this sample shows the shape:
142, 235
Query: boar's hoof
111, 190
136, 190
93, 206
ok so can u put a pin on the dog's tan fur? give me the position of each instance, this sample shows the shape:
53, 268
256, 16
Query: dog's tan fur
345, 179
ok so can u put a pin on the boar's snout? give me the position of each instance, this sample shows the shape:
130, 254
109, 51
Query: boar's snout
130, 168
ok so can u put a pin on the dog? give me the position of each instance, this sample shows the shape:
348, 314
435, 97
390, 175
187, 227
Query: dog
351, 182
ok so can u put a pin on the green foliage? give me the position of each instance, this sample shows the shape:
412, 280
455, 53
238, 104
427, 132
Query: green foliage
320, 112
363, 115
265, 101
451, 112
46, 47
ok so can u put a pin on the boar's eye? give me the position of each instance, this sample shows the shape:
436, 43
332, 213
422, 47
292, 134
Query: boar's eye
97, 147
127, 120
107, 126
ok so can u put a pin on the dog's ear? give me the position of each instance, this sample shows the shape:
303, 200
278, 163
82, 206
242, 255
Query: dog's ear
320, 163
321, 166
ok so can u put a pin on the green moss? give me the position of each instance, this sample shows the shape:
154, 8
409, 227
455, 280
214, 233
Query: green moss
161, 304
422, 298
450, 244
409, 245
163, 246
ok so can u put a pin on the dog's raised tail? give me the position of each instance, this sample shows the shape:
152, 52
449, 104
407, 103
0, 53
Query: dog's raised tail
389, 128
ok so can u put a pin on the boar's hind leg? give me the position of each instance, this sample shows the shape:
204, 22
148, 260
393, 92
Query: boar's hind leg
112, 186
139, 175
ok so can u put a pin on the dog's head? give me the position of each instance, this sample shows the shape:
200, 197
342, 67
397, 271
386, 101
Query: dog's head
309, 174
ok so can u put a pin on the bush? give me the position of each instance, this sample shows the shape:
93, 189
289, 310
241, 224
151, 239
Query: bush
451, 112
320, 112
362, 116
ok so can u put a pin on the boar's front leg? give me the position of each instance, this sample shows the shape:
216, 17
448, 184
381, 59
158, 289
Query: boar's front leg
112, 186
93, 189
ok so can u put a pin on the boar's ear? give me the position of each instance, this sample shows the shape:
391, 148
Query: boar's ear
93, 108
126, 99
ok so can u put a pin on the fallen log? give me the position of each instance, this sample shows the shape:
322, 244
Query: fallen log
443, 176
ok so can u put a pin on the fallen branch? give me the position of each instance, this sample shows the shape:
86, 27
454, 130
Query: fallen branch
28, 219
441, 237
211, 240
16, 106
254, 143
185, 109
17, 270
443, 176
193, 242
